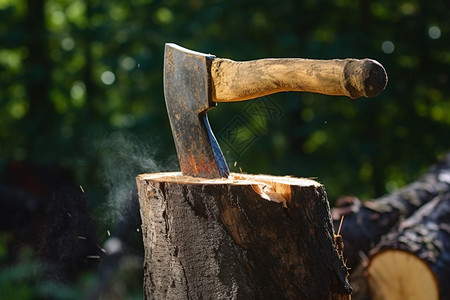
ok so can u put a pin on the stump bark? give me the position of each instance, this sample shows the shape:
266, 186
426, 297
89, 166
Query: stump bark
246, 237
413, 262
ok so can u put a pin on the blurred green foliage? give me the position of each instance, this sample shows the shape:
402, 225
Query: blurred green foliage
23, 280
74, 73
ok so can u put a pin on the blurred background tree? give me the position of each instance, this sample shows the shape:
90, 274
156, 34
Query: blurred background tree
81, 88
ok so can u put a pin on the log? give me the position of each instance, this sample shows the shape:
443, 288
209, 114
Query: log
365, 223
246, 237
413, 262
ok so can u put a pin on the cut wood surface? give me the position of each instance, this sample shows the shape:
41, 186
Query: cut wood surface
246, 237
397, 274
413, 262
366, 222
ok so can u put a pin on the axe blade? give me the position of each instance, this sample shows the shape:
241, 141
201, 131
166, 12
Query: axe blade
187, 93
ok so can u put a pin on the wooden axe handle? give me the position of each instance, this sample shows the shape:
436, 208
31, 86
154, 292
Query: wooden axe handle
237, 81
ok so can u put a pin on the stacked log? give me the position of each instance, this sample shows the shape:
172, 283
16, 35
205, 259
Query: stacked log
413, 262
366, 222
401, 239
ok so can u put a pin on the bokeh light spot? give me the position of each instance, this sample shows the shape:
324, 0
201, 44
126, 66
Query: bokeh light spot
434, 32
387, 47
108, 77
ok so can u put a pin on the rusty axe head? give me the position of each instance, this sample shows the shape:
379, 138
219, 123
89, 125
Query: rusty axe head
194, 81
187, 91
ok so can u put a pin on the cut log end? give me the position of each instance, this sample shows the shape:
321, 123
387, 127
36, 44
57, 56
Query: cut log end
234, 178
398, 274
271, 188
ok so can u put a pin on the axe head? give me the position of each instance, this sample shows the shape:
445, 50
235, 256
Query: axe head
187, 91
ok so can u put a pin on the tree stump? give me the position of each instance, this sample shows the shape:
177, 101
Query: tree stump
413, 262
246, 237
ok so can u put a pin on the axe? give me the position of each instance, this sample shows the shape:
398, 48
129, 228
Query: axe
194, 82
